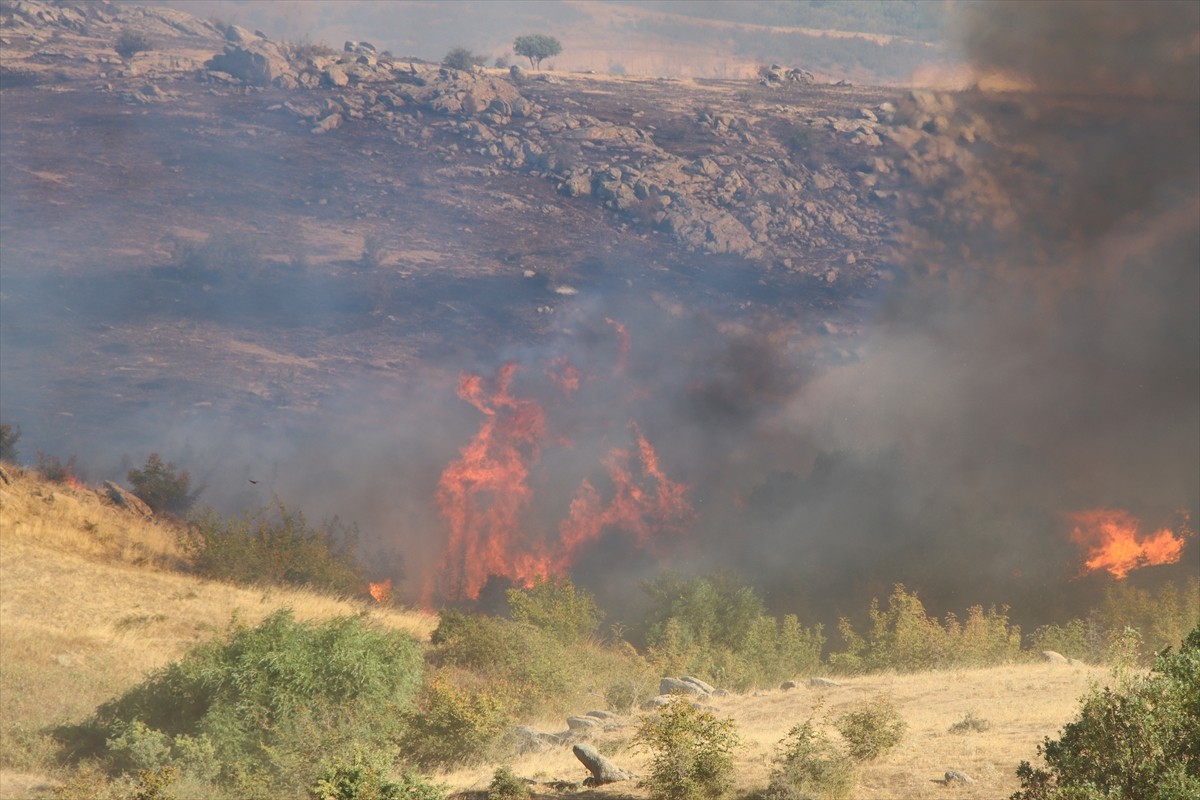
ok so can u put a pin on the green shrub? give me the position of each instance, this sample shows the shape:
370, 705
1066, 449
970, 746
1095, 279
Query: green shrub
873, 728
557, 607
273, 545
261, 705
809, 767
1163, 618
129, 42
717, 629
1138, 740
163, 487
363, 775
507, 786
9, 436
905, 638
691, 752
625, 694
450, 726
463, 59
1073, 639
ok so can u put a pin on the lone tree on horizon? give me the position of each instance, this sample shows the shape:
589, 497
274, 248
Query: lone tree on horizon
537, 46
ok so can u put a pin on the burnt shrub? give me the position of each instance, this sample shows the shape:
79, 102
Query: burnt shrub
9, 435
274, 545
54, 469
463, 59
130, 42
163, 487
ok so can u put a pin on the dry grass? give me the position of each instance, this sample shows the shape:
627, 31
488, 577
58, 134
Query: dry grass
89, 603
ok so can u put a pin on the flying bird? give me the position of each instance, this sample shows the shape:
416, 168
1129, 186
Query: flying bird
252, 481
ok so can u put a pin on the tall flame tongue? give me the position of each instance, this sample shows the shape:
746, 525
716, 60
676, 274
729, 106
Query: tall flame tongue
1112, 540
482, 494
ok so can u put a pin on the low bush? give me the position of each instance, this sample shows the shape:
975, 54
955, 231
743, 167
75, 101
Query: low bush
506, 785
256, 710
691, 752
163, 487
273, 545
53, 469
1140, 739
363, 775
451, 725
216, 259
809, 767
970, 723
463, 59
873, 728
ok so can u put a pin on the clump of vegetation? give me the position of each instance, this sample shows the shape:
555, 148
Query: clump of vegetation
217, 258
54, 469
1140, 739
556, 606
363, 775
305, 50
9, 436
451, 725
256, 710
716, 628
537, 46
808, 765
904, 638
873, 728
463, 59
273, 545
506, 785
130, 42
691, 752
970, 723
163, 487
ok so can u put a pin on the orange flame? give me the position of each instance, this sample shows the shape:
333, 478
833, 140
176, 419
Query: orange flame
381, 592
1112, 540
564, 375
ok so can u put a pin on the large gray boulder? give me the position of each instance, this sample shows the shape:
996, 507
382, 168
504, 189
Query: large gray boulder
676, 686
127, 500
254, 60
603, 771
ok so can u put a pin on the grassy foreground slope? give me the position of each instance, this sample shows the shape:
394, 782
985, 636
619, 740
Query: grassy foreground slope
89, 603
91, 599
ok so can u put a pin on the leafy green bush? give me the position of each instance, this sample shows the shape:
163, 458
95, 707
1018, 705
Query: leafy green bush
873, 728
163, 487
507, 786
9, 435
809, 767
904, 638
536, 46
451, 725
557, 607
691, 752
716, 628
258, 708
273, 545
1138, 740
1074, 639
362, 775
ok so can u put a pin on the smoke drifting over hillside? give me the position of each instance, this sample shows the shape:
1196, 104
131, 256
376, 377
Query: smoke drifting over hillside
1036, 356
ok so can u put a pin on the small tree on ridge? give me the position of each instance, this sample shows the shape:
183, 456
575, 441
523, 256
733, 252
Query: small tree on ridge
536, 46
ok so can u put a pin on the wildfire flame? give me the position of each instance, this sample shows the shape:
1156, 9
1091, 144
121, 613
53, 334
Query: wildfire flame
381, 592
1112, 540
485, 493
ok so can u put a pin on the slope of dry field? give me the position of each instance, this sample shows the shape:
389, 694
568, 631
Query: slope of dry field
90, 601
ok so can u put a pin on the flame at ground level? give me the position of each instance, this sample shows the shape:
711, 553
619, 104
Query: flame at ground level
1112, 540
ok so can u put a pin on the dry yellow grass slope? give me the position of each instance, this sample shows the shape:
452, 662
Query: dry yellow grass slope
89, 603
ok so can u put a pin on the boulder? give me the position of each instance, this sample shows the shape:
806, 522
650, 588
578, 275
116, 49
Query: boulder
675, 686
583, 724
127, 500
706, 687
258, 62
603, 771
1051, 657
954, 776
822, 683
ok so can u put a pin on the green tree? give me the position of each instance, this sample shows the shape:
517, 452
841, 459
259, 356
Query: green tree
163, 487
1140, 739
537, 46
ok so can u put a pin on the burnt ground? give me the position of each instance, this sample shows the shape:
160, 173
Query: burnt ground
102, 200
